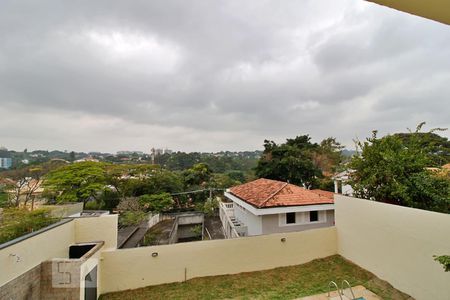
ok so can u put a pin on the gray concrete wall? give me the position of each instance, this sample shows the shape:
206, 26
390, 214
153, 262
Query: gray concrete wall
25, 286
189, 219
271, 224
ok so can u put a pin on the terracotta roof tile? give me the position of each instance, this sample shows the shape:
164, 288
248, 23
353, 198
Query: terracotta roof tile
264, 193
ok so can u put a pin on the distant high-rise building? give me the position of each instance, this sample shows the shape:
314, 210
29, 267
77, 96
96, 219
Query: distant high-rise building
5, 162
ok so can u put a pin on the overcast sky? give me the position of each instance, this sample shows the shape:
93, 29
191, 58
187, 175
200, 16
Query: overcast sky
215, 75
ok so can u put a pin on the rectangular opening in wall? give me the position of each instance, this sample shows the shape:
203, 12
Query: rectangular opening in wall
290, 218
77, 251
314, 216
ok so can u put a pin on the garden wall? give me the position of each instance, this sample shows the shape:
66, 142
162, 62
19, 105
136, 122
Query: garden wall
139, 267
25, 253
396, 243
21, 260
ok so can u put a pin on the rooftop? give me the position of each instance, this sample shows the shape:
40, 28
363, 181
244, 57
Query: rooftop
264, 193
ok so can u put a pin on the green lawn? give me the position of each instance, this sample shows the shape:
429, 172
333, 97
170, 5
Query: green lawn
280, 283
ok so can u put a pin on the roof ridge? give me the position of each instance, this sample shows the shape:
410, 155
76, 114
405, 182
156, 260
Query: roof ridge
273, 195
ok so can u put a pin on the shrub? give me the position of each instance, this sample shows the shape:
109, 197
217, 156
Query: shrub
15, 222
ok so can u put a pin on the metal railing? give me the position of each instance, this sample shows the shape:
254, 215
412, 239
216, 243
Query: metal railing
332, 283
225, 210
349, 287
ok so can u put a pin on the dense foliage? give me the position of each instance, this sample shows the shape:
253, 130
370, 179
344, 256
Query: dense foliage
299, 161
15, 222
438, 147
394, 169
77, 182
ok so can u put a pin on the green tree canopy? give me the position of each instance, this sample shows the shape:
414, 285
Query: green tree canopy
389, 169
438, 146
291, 161
199, 175
157, 202
77, 182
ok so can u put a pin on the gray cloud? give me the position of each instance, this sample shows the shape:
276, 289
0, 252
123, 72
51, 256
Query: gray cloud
203, 75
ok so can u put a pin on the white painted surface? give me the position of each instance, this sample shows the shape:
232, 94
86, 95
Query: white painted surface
253, 222
302, 218
396, 243
136, 267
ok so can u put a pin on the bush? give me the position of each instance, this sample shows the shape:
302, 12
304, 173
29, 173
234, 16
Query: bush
3, 199
128, 218
15, 222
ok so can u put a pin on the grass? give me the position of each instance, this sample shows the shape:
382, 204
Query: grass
280, 283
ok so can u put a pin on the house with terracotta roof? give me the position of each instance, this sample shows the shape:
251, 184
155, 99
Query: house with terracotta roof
266, 206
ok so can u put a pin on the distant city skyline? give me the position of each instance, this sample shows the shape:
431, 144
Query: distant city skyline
215, 75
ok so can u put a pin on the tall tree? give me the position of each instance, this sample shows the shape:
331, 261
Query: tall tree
291, 161
388, 169
328, 156
77, 182
199, 175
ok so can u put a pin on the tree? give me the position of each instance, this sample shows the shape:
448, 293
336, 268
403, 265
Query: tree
388, 169
291, 161
77, 182
156, 203
199, 174
16, 185
23, 183
438, 146
327, 157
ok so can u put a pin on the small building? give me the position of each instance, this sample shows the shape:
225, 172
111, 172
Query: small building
5, 162
265, 206
341, 185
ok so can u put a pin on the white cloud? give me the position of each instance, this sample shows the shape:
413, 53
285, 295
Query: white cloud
203, 75
134, 50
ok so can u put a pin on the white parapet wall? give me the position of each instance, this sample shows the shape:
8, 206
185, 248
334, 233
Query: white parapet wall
103, 228
139, 267
22, 254
19, 257
396, 243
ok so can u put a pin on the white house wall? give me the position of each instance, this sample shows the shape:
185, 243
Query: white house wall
276, 223
253, 223
277, 210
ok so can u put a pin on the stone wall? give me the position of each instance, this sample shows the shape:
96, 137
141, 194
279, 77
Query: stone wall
25, 286
60, 279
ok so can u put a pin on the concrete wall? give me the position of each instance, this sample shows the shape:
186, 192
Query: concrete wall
26, 286
103, 228
34, 250
396, 243
26, 279
271, 223
133, 268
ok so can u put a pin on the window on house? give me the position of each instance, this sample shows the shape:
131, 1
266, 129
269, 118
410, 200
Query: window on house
314, 216
290, 218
